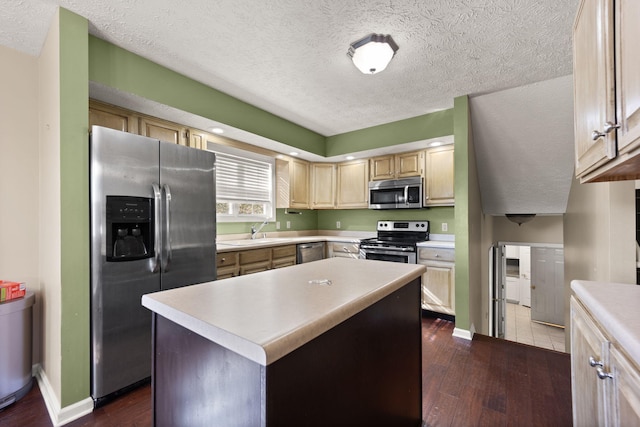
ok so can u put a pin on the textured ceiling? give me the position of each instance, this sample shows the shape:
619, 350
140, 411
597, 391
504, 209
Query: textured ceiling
289, 56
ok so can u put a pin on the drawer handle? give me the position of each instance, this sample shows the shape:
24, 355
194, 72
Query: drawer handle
437, 255
223, 259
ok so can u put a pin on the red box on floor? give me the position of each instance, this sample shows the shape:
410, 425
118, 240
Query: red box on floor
11, 290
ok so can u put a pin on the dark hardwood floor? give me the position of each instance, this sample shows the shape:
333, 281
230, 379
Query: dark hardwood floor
491, 382
485, 382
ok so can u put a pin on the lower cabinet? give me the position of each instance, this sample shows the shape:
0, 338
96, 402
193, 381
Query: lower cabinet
343, 250
227, 265
589, 347
626, 380
283, 256
238, 263
254, 260
605, 383
438, 282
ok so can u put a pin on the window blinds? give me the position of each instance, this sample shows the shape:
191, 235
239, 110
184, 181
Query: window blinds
241, 179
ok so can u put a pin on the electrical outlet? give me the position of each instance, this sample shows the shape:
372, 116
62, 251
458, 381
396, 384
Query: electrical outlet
288, 224
277, 225
445, 226
338, 224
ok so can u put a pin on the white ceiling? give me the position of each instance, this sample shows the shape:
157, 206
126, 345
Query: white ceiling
523, 139
289, 57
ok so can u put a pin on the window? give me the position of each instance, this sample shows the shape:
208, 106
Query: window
245, 185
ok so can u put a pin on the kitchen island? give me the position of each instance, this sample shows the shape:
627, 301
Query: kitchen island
330, 342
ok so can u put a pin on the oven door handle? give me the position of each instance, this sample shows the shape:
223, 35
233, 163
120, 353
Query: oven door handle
387, 248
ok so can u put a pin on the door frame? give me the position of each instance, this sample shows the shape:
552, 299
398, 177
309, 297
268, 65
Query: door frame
493, 323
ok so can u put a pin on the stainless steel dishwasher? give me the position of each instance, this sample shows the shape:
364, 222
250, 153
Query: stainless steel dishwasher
307, 252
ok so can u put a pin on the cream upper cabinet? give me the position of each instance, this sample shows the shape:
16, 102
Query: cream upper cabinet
439, 176
409, 164
627, 33
397, 166
382, 167
299, 184
112, 117
323, 186
164, 131
197, 139
607, 90
292, 184
353, 185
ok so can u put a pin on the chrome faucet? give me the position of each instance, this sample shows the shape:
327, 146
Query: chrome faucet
255, 231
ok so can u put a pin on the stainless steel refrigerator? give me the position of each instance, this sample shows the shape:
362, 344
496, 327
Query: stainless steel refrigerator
153, 227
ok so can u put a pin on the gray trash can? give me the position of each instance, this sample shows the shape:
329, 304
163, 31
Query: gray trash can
16, 318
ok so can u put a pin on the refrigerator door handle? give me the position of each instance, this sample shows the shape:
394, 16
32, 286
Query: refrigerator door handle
157, 199
167, 234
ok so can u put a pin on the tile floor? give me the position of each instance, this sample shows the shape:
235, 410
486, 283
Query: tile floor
521, 329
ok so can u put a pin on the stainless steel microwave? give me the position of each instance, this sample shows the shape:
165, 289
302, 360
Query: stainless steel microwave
396, 193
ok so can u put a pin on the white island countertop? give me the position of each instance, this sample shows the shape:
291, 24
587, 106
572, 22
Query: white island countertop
265, 316
615, 306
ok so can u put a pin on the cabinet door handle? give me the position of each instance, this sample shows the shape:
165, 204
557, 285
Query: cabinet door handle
593, 362
610, 148
602, 374
607, 128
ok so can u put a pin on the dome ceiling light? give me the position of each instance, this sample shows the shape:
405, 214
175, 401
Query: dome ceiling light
520, 218
372, 53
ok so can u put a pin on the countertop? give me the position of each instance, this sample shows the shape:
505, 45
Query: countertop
615, 307
436, 241
241, 244
264, 316
446, 241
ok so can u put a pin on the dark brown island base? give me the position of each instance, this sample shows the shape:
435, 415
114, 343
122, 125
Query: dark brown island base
331, 342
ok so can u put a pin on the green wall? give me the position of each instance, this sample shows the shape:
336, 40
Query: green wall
427, 126
366, 219
461, 129
307, 220
115, 67
74, 195
350, 220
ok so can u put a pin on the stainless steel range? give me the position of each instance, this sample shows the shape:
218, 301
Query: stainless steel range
396, 241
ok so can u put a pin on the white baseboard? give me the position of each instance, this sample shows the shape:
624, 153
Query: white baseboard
462, 333
59, 416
